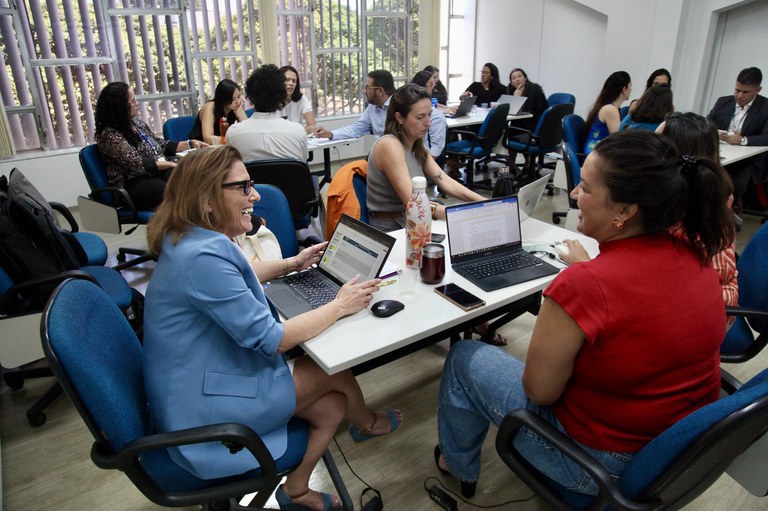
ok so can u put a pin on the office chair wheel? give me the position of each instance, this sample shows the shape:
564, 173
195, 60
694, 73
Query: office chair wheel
36, 419
555, 219
550, 192
121, 257
14, 381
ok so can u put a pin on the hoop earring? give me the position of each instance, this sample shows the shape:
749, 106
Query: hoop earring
617, 224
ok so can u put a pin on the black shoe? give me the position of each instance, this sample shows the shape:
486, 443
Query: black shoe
467, 489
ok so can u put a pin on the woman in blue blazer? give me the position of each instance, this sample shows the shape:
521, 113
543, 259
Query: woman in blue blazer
213, 347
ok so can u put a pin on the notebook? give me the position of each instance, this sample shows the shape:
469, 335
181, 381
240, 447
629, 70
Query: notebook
485, 243
515, 102
354, 248
528, 196
464, 107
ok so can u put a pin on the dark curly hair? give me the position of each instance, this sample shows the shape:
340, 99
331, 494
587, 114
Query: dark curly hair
265, 88
297, 91
113, 110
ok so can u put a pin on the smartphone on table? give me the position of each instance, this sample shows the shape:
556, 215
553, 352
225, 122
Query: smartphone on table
459, 296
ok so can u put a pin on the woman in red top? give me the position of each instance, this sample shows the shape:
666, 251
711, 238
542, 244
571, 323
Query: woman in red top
626, 344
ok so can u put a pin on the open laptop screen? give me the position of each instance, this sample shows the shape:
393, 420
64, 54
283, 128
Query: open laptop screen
482, 226
355, 248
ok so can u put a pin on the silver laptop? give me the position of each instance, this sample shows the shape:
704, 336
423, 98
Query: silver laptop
464, 107
515, 102
486, 245
354, 249
528, 196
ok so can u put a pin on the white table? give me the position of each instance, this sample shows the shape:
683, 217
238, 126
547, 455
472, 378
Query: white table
477, 116
733, 153
427, 317
326, 145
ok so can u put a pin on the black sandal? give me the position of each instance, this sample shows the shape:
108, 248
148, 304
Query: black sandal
467, 489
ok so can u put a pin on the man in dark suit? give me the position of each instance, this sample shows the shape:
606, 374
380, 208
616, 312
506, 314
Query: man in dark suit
743, 120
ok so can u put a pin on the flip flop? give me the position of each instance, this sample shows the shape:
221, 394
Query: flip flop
359, 435
286, 502
493, 338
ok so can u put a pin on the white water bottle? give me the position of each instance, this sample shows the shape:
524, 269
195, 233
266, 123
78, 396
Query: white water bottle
418, 222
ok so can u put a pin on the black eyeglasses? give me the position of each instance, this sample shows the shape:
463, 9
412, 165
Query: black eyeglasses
246, 185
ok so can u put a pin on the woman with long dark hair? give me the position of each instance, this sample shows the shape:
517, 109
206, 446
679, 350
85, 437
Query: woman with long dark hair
135, 158
297, 107
227, 102
488, 89
604, 118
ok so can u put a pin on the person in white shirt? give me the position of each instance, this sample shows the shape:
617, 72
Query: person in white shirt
296, 106
266, 134
742, 119
379, 88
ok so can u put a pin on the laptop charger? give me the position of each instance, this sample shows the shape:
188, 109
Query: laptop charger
442, 498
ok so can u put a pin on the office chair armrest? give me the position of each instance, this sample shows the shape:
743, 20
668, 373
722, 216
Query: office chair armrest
127, 460
746, 312
454, 135
122, 192
728, 382
64, 211
511, 131
309, 241
609, 494
16, 299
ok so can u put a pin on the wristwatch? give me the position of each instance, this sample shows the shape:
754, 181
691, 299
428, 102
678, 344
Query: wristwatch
743, 141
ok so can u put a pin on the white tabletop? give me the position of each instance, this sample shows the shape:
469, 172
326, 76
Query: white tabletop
733, 153
362, 337
477, 116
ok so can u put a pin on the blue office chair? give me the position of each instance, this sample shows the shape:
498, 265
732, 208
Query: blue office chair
546, 138
560, 98
360, 185
740, 342
477, 146
572, 178
623, 112
115, 198
666, 474
98, 361
273, 207
573, 129
294, 179
178, 128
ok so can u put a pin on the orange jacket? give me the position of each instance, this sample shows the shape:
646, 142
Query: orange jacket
341, 195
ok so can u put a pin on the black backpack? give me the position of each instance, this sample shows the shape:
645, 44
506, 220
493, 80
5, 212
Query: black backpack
31, 246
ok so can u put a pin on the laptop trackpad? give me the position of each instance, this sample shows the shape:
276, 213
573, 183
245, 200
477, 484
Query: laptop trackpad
288, 303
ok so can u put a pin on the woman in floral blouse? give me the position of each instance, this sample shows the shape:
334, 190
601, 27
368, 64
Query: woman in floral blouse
135, 158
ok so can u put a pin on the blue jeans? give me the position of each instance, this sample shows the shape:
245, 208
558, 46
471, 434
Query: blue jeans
480, 384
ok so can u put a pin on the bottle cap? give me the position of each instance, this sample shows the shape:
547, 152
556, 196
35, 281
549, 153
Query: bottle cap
419, 183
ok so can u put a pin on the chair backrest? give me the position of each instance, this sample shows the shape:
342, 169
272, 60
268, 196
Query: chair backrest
97, 358
572, 170
96, 174
360, 186
573, 127
273, 207
294, 179
689, 456
623, 112
559, 98
550, 127
493, 126
740, 343
178, 128
753, 276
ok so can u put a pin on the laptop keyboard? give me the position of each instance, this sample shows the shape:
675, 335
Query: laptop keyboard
315, 289
502, 264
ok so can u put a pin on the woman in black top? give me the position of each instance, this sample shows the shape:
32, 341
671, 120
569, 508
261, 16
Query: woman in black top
439, 91
519, 85
227, 102
488, 89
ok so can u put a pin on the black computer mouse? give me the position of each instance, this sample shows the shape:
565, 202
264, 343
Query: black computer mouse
385, 308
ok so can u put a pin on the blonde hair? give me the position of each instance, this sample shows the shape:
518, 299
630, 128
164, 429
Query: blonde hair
193, 191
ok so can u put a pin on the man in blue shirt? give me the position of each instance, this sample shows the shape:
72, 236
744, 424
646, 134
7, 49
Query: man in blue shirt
378, 88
